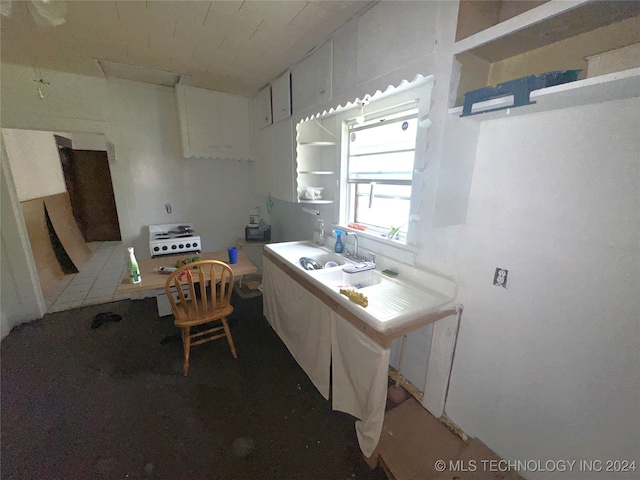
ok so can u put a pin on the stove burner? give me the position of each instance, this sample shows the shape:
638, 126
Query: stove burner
173, 238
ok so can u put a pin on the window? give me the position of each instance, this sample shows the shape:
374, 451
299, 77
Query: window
380, 158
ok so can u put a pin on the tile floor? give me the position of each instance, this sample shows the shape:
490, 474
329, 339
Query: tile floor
95, 283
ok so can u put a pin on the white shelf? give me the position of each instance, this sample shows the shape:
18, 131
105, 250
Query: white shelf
543, 25
317, 172
317, 144
317, 164
613, 86
315, 201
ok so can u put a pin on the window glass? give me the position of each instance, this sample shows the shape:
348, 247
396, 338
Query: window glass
387, 207
380, 158
392, 166
392, 135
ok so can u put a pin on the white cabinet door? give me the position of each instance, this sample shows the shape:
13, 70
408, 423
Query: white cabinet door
281, 95
233, 117
35, 163
213, 124
284, 161
262, 108
311, 79
199, 123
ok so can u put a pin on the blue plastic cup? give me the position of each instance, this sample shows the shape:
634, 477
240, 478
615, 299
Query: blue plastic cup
233, 254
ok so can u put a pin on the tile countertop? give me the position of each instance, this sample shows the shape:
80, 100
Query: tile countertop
152, 280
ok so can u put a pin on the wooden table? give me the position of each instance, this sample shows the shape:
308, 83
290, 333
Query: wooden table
152, 280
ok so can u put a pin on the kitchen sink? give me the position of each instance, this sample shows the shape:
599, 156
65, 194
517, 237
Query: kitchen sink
322, 260
295, 251
335, 277
392, 302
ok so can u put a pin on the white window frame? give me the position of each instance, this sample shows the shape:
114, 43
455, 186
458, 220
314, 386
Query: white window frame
387, 103
395, 114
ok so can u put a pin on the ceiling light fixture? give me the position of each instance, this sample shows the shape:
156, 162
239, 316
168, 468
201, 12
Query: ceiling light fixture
360, 116
46, 13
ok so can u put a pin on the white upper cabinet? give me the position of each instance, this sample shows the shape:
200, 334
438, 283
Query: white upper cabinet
311, 79
345, 59
281, 95
262, 108
213, 124
384, 46
284, 161
233, 113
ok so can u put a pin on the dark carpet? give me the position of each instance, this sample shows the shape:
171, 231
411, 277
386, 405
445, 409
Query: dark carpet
110, 402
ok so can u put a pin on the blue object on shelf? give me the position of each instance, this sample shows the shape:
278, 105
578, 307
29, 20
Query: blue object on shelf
520, 88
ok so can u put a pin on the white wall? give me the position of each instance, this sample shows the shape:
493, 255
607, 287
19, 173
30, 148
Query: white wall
86, 141
149, 171
71, 103
20, 294
548, 368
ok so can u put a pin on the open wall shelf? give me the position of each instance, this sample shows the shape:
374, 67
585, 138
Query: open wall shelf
317, 159
544, 25
613, 86
554, 36
318, 144
320, 202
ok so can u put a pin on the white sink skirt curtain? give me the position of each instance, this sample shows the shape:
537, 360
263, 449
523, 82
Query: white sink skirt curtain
302, 321
360, 370
315, 335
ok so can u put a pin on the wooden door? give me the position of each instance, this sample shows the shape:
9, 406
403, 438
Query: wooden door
92, 197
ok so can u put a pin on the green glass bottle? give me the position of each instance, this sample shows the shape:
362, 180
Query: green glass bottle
134, 269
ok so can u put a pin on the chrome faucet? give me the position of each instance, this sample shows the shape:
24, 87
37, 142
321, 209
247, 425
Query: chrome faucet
354, 255
372, 256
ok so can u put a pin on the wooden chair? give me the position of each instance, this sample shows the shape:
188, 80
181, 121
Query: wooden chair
202, 303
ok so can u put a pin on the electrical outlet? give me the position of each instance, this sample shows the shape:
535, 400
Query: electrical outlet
500, 277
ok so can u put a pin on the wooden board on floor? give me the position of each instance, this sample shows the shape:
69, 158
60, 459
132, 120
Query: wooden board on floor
481, 464
64, 223
49, 270
413, 440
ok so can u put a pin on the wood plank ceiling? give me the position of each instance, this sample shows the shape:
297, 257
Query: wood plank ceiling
230, 46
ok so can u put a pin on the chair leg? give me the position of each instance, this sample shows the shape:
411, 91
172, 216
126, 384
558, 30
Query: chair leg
186, 345
227, 332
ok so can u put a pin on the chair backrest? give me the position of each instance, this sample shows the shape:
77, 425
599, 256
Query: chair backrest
200, 301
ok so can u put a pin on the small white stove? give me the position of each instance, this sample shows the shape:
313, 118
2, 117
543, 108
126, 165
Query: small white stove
173, 238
